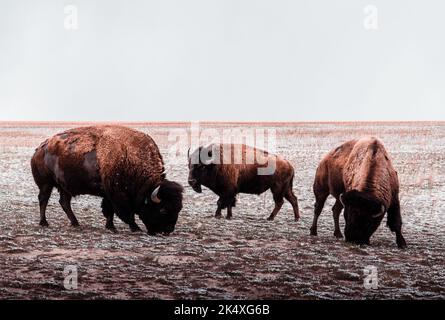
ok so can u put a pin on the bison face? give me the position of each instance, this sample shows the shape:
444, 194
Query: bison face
200, 168
363, 215
196, 175
161, 208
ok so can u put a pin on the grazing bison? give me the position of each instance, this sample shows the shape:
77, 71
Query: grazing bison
216, 167
360, 175
121, 165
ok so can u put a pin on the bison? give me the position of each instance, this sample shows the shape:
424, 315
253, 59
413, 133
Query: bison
121, 165
360, 175
210, 166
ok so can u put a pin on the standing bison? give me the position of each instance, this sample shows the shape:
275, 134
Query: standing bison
360, 175
120, 165
217, 167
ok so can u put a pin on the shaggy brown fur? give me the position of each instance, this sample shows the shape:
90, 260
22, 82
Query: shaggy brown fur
119, 164
360, 175
230, 176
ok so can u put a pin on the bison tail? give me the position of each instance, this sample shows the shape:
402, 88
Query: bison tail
39, 172
292, 174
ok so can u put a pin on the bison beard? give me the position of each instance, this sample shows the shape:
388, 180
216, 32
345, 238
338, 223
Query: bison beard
121, 165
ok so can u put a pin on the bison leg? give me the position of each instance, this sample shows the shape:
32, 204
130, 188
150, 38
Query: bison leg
336, 210
126, 215
124, 211
65, 202
128, 218
133, 225
218, 209
107, 210
319, 204
278, 199
225, 202
394, 222
229, 209
292, 198
44, 195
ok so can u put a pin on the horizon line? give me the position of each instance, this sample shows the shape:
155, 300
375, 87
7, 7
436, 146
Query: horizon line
207, 122
216, 121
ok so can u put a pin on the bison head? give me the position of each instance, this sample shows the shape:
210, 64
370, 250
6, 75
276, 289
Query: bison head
201, 165
161, 208
363, 214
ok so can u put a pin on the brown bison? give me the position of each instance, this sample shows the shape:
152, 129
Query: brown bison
255, 171
120, 165
360, 175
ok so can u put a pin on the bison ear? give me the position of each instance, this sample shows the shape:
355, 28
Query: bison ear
364, 200
349, 197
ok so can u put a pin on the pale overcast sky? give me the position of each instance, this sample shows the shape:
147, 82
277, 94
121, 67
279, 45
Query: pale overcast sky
246, 60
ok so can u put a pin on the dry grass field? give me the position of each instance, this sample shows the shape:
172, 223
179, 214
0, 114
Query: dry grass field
244, 258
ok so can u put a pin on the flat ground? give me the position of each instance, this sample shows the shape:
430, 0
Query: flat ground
244, 258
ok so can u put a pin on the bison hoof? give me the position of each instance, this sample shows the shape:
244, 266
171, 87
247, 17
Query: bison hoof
401, 244
218, 216
111, 228
75, 224
135, 228
229, 217
270, 218
338, 234
43, 223
313, 232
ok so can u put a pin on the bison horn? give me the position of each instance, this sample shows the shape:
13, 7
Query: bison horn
188, 153
154, 196
381, 213
341, 200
